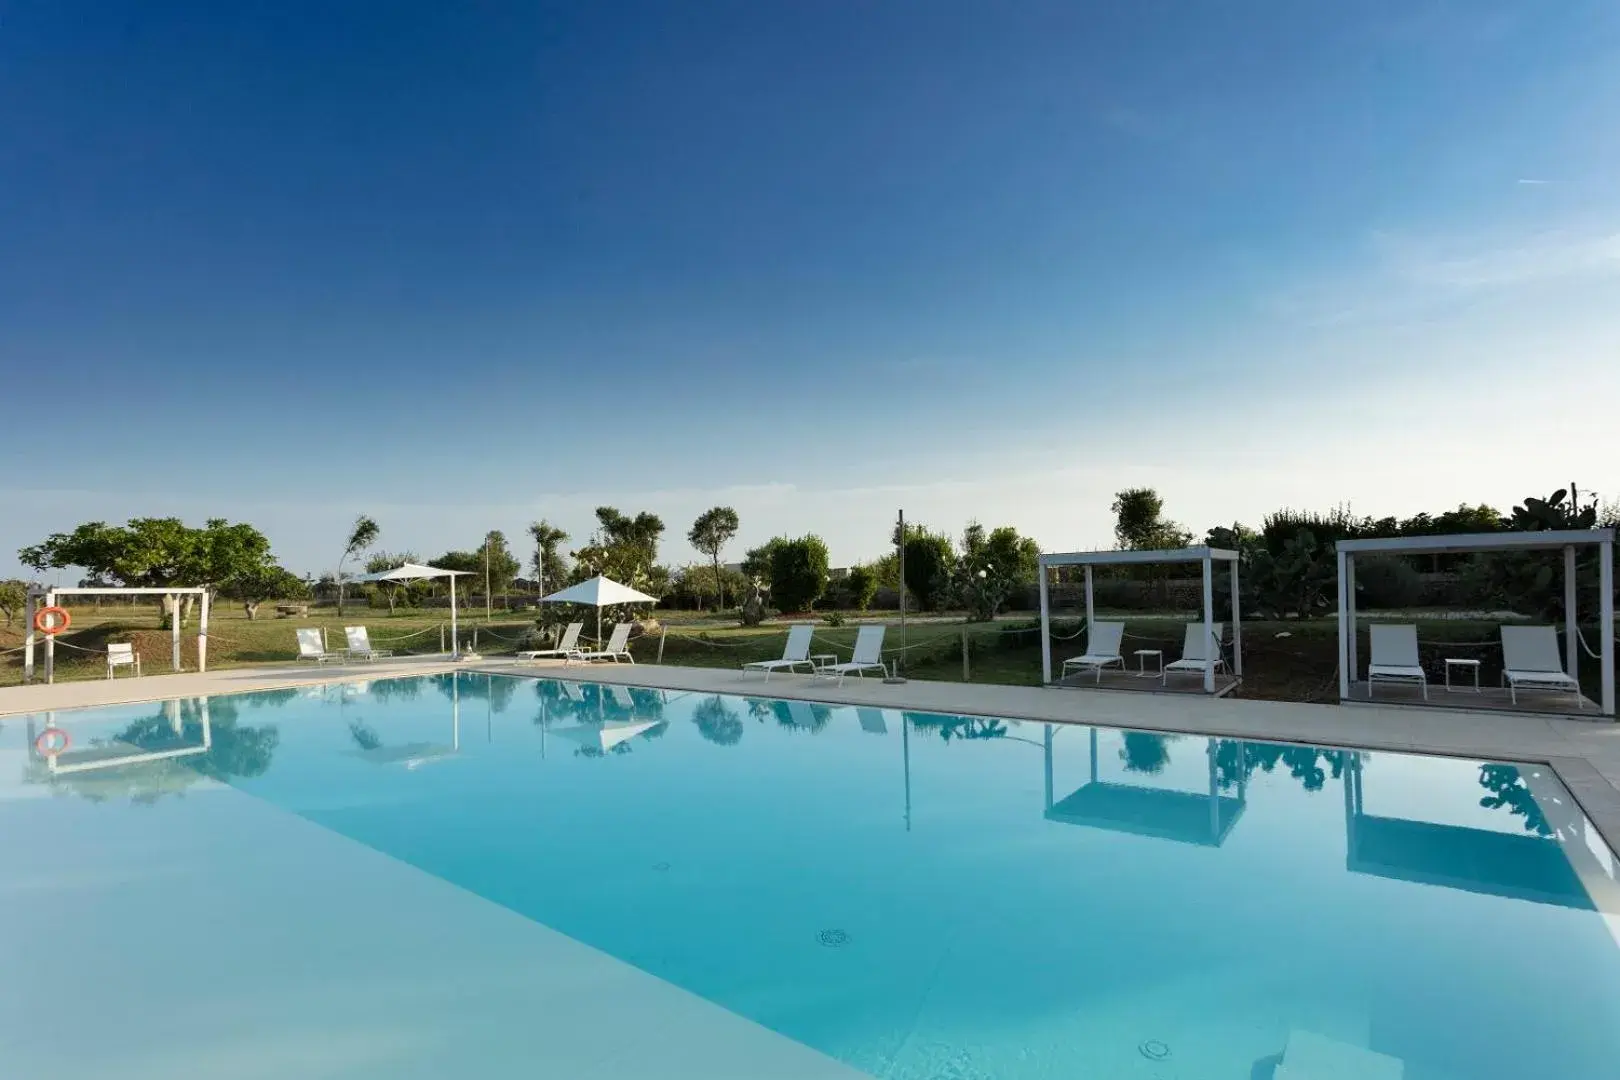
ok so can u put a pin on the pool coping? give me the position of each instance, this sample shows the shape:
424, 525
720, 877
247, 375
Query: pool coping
1584, 754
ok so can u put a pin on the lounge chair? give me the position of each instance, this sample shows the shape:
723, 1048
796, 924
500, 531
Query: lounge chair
1102, 650
360, 644
1530, 661
794, 653
868, 655
122, 655
569, 643
1395, 657
618, 646
1194, 651
312, 647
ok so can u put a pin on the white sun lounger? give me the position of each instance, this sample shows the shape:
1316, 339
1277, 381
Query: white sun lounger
1395, 657
618, 647
122, 655
568, 644
1102, 650
1530, 661
794, 653
1194, 651
310, 647
360, 644
868, 655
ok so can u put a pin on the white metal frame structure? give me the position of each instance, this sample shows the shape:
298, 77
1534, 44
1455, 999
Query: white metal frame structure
1207, 556
50, 593
1465, 543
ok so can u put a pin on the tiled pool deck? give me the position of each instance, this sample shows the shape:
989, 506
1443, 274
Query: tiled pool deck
1585, 753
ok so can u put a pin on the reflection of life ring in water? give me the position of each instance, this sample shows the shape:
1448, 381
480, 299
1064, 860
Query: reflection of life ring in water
52, 620
52, 741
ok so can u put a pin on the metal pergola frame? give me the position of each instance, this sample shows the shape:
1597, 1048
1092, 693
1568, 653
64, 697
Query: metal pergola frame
1205, 555
49, 593
1464, 543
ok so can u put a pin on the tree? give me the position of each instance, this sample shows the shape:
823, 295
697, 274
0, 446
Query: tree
550, 568
266, 581
710, 533
862, 584
361, 536
798, 572
756, 566
991, 566
381, 563
930, 560
13, 598
498, 564
622, 548
1140, 525
155, 552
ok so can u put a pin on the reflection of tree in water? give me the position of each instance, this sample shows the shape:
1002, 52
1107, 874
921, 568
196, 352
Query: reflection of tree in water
236, 750
718, 722
270, 698
1235, 760
793, 721
1508, 789
495, 689
596, 703
759, 709
364, 735
956, 727
1145, 752
399, 689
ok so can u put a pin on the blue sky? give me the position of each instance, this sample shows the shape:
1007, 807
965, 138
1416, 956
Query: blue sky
461, 267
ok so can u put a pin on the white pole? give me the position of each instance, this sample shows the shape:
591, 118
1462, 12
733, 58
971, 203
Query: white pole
1344, 664
50, 644
1046, 630
1209, 626
1350, 606
1572, 639
1237, 627
1091, 612
174, 630
29, 633
202, 636
455, 640
1606, 616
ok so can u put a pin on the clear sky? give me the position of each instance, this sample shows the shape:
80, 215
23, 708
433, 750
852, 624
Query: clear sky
463, 266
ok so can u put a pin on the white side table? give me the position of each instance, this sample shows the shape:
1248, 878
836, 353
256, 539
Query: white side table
1452, 662
1141, 663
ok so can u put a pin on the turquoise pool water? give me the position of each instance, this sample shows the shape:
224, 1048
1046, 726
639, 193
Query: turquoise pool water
924, 896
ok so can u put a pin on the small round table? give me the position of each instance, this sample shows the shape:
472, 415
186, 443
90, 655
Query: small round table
1141, 663
1452, 662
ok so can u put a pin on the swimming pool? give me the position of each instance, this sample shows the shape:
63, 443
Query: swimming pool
906, 895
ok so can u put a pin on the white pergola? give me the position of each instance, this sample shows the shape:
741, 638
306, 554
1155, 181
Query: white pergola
1207, 556
417, 572
50, 593
1473, 543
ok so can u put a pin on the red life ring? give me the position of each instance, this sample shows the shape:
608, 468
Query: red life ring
48, 743
44, 626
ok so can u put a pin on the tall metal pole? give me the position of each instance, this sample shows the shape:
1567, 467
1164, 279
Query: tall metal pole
905, 638
487, 608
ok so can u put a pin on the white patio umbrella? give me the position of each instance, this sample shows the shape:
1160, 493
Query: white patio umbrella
417, 572
599, 592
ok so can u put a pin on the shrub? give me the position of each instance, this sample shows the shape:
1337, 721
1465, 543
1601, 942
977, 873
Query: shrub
1387, 583
929, 562
834, 618
798, 572
861, 584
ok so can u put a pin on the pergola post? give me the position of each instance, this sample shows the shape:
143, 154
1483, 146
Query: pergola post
1046, 629
202, 633
1606, 615
1237, 626
1091, 608
1209, 625
50, 643
1344, 645
174, 627
1572, 635
29, 633
1350, 606
455, 640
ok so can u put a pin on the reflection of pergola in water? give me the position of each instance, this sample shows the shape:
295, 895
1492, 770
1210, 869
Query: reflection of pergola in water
601, 734
413, 754
1561, 869
1166, 814
114, 754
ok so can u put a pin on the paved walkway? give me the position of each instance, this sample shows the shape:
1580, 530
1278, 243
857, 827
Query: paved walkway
1584, 753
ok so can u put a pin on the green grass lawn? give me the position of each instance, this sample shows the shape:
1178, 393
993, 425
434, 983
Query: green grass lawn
1287, 660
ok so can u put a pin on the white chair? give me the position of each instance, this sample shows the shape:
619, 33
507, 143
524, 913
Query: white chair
1195, 649
122, 654
794, 653
868, 654
360, 644
312, 647
568, 644
1102, 650
1395, 657
618, 646
1530, 661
